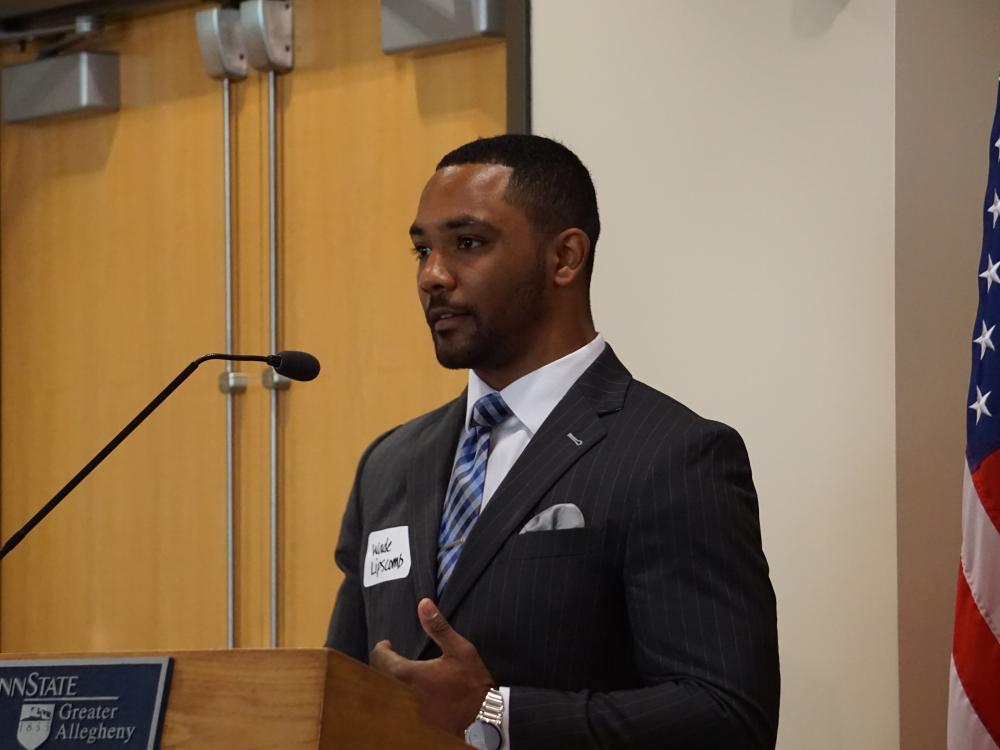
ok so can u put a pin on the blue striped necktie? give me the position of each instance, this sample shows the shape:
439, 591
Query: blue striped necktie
465, 490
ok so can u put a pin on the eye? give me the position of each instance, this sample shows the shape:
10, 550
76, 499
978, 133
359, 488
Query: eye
469, 243
420, 251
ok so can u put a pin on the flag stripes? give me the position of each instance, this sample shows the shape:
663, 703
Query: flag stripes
981, 556
976, 654
965, 730
986, 479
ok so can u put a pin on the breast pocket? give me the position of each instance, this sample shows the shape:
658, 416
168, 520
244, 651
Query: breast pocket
558, 543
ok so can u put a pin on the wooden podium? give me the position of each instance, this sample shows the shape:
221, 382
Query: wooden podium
291, 699
286, 699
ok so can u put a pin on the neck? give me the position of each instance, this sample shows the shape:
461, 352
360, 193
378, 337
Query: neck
546, 350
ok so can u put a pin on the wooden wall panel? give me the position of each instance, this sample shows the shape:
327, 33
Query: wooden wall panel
111, 280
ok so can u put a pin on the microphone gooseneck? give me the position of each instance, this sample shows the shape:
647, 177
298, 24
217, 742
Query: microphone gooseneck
296, 365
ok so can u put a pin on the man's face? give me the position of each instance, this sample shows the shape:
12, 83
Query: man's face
481, 273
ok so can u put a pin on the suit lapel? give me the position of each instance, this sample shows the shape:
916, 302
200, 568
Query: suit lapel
569, 432
427, 480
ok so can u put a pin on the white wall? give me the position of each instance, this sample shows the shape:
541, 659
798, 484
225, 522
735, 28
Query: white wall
743, 156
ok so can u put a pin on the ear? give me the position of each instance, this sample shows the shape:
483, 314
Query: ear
572, 250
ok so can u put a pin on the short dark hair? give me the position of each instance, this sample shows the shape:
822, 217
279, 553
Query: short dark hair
548, 182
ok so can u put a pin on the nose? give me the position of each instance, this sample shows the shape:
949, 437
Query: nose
434, 274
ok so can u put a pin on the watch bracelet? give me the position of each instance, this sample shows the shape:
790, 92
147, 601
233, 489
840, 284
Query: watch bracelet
492, 709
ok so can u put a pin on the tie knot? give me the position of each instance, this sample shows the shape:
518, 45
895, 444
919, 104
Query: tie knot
489, 411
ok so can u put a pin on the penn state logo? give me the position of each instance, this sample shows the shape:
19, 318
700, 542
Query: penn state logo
35, 725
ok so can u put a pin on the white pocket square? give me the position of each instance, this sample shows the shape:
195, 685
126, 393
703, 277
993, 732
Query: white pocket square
561, 516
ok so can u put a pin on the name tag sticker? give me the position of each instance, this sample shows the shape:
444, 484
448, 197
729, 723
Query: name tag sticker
388, 555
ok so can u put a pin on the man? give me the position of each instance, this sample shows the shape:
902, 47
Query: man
561, 557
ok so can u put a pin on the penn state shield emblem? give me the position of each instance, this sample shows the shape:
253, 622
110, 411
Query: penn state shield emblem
35, 725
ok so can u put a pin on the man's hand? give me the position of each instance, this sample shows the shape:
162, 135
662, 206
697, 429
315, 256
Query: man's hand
450, 688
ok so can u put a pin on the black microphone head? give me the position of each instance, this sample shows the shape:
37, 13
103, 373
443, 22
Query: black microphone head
297, 365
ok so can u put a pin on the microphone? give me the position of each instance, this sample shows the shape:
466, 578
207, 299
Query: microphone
295, 365
291, 364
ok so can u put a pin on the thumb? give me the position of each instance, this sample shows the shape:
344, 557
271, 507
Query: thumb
438, 629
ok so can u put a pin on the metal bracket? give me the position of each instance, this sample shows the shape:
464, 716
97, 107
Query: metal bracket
220, 39
233, 382
83, 27
413, 24
267, 34
271, 380
65, 84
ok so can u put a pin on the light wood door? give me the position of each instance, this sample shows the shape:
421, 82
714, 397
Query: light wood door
111, 280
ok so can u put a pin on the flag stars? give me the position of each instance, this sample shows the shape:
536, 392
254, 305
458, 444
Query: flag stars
985, 340
995, 208
979, 405
997, 147
990, 273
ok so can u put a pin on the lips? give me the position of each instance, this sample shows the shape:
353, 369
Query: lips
445, 318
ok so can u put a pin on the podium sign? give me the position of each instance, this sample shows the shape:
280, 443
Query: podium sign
83, 704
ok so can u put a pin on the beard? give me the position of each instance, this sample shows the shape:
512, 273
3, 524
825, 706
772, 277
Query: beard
488, 341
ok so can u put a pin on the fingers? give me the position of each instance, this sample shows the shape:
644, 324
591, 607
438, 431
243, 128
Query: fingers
384, 659
434, 624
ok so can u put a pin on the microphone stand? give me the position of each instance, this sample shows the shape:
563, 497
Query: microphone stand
273, 360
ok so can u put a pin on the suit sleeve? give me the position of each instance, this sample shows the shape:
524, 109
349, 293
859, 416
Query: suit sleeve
701, 613
348, 629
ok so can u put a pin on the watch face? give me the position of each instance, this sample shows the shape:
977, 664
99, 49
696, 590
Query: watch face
483, 736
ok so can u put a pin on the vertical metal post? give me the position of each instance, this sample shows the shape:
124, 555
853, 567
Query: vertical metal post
272, 166
231, 382
267, 30
223, 54
230, 427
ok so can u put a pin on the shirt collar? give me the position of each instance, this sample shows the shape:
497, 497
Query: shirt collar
532, 397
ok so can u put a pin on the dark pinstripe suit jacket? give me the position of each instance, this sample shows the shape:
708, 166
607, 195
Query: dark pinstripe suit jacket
653, 627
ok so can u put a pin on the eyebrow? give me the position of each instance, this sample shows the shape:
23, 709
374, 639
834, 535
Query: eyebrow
456, 222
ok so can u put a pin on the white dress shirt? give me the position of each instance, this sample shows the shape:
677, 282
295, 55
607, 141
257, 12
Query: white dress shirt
531, 398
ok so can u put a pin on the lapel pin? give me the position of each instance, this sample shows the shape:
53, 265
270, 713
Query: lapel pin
574, 438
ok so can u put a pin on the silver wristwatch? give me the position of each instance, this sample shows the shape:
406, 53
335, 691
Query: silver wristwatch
485, 732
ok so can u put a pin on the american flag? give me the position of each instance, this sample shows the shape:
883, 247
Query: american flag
974, 700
